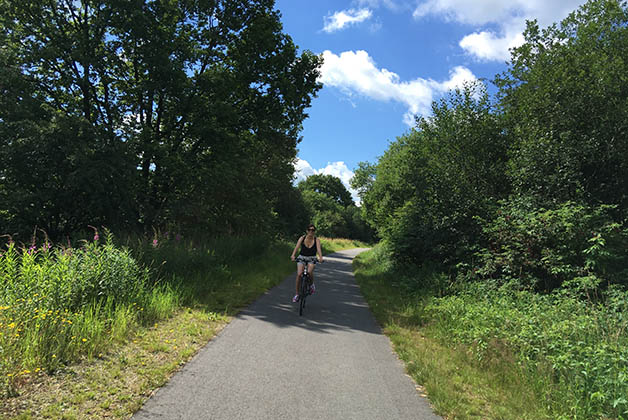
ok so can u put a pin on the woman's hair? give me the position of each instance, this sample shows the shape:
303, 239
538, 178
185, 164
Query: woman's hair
311, 226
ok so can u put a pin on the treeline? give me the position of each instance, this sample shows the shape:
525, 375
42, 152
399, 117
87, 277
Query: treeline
137, 115
528, 186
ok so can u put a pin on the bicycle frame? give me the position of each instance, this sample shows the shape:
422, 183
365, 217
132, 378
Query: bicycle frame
304, 288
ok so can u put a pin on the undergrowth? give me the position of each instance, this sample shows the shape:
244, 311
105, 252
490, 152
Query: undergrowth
570, 352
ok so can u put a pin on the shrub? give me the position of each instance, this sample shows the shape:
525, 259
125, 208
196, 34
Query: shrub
544, 249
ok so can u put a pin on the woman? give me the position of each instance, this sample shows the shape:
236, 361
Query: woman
310, 247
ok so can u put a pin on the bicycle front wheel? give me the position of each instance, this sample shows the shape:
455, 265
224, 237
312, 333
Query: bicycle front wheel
303, 292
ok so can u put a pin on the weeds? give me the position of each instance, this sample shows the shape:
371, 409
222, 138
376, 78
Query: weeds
558, 348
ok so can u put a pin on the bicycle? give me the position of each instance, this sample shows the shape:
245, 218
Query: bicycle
304, 289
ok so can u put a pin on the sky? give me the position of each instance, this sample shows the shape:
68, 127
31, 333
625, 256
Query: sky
385, 61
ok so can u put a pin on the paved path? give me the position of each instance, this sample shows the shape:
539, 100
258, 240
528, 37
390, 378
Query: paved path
269, 363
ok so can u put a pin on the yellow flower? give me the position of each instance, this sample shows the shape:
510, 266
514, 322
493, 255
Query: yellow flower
11, 325
54, 356
84, 340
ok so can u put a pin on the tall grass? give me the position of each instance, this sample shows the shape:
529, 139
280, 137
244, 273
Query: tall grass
58, 304
568, 352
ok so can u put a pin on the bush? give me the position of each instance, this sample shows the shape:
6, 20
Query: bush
544, 249
57, 304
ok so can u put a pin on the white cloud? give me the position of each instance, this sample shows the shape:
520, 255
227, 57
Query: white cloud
340, 20
508, 16
355, 73
302, 170
338, 169
390, 4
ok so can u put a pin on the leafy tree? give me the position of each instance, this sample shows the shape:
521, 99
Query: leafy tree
329, 185
137, 112
332, 209
431, 182
565, 97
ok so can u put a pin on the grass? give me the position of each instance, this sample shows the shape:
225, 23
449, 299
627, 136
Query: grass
130, 349
483, 353
456, 383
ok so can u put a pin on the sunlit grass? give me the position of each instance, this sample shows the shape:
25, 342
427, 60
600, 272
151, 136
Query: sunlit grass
58, 353
492, 355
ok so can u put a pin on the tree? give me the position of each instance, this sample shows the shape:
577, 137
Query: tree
149, 112
329, 185
565, 97
432, 182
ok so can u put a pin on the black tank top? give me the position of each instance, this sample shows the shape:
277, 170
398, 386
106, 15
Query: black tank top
308, 252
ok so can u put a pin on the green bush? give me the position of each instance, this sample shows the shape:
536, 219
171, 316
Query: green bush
573, 245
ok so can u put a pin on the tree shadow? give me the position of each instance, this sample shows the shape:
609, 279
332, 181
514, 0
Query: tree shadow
337, 305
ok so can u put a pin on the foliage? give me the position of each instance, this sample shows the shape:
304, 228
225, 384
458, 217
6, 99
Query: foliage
431, 181
574, 347
59, 303
331, 208
565, 97
143, 113
328, 185
566, 354
544, 249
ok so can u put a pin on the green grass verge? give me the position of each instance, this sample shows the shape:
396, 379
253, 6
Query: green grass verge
486, 352
456, 383
132, 348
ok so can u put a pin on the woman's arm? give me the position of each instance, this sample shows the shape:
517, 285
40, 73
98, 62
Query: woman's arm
318, 250
294, 252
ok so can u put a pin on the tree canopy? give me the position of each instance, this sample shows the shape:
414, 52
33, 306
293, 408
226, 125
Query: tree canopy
526, 186
140, 113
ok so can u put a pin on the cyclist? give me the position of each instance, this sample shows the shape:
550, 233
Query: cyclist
310, 248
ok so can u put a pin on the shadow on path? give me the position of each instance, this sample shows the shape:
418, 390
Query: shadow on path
336, 305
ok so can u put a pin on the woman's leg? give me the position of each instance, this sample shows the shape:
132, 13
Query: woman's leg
310, 269
299, 272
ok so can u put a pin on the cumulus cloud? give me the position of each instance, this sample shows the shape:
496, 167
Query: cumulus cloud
356, 73
508, 17
344, 18
338, 169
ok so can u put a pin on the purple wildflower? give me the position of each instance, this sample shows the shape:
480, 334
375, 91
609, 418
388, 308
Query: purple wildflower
178, 237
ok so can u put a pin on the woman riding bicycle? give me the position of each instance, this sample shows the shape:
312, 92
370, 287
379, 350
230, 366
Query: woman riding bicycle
310, 247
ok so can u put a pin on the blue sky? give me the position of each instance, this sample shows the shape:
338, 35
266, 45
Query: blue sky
387, 60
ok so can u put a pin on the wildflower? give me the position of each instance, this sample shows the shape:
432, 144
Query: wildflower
26, 371
54, 356
84, 340
2, 308
155, 243
96, 237
178, 237
11, 325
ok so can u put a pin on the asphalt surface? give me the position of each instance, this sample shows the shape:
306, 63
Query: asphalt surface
270, 363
